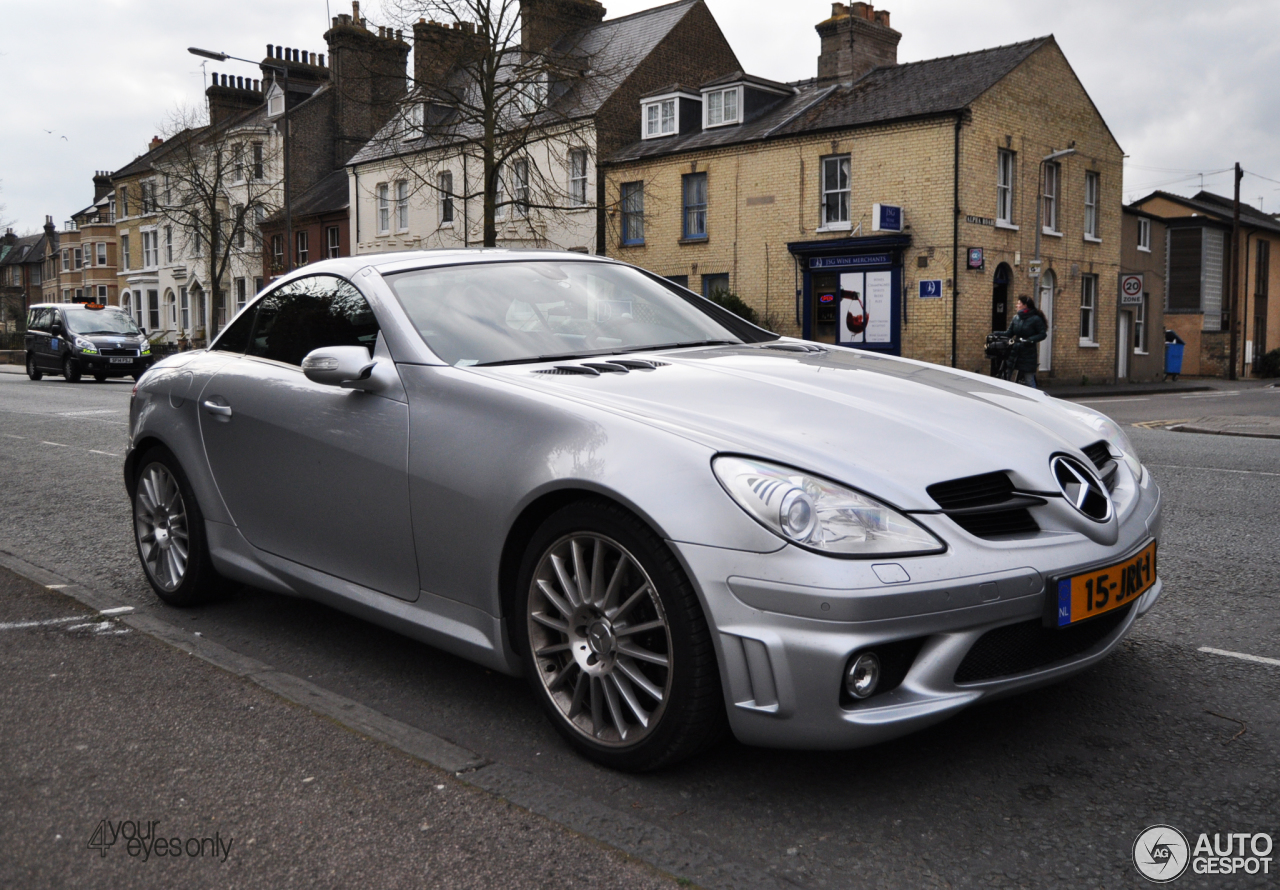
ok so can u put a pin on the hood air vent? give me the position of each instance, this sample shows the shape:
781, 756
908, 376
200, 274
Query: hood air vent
1099, 454
986, 506
595, 369
809, 348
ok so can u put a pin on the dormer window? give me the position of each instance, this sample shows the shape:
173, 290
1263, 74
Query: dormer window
660, 118
723, 107
275, 101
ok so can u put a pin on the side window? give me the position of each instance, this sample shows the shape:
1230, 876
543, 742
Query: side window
235, 337
320, 310
39, 320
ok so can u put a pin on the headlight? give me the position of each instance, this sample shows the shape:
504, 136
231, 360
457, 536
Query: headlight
818, 514
1112, 433
86, 346
146, 348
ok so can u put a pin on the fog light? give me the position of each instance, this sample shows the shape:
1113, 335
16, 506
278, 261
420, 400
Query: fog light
863, 675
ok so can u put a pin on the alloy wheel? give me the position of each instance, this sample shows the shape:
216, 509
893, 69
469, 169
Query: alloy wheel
600, 639
160, 522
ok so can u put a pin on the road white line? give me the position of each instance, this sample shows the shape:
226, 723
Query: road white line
87, 413
1211, 395
1106, 401
58, 444
55, 586
107, 453
98, 626
118, 610
48, 622
1240, 655
1212, 470
10, 436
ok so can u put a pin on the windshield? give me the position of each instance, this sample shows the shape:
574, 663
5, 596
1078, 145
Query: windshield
493, 313
99, 321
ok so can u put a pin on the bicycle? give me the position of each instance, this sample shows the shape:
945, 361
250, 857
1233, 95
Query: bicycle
1001, 349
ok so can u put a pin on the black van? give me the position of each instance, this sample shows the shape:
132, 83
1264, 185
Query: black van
72, 339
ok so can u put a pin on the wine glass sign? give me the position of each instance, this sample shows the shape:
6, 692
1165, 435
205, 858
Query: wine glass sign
866, 307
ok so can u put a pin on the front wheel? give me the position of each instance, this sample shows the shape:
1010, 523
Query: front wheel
169, 532
71, 370
33, 371
614, 641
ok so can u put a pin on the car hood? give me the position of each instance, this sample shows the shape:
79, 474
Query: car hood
885, 425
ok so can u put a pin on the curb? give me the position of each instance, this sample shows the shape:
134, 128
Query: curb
1208, 431
657, 847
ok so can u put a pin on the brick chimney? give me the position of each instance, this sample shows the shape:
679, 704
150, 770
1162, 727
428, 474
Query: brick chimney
369, 78
437, 48
228, 96
855, 39
50, 231
543, 22
102, 182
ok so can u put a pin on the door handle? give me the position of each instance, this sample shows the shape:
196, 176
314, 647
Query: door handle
214, 408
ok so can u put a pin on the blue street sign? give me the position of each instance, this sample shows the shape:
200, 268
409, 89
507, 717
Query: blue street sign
930, 289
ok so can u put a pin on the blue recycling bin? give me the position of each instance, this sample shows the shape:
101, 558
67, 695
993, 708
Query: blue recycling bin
1173, 359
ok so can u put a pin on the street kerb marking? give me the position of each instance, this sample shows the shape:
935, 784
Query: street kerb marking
107, 453
1243, 656
1211, 395
1157, 424
118, 610
1212, 470
47, 622
100, 628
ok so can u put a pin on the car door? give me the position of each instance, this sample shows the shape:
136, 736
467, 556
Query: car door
313, 473
38, 330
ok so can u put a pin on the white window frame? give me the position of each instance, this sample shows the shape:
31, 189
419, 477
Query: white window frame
66, 259
1088, 310
715, 107
333, 241
1052, 184
124, 252
150, 249
1092, 190
77, 258
444, 183
102, 253
578, 177
242, 296
384, 208
1006, 177
500, 193
184, 308
275, 101
402, 205
301, 248
842, 164
1144, 235
102, 294
662, 116
520, 187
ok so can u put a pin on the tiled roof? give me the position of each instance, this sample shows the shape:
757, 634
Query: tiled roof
613, 49
897, 92
16, 254
329, 195
1215, 206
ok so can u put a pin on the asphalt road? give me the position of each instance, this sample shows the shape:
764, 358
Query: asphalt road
1044, 790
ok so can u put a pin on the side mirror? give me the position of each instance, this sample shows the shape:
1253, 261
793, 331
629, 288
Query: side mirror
55, 327
347, 366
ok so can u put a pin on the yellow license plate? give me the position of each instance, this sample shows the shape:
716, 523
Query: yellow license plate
1101, 590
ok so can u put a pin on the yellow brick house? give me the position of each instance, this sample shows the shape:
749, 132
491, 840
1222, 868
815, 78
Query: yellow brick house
891, 207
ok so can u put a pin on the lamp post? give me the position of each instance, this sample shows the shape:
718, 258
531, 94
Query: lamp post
288, 204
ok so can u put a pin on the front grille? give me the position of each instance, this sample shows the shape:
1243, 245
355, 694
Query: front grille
1018, 648
986, 506
1100, 455
117, 350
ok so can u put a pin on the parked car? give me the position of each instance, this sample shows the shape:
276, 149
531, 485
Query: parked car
667, 519
73, 339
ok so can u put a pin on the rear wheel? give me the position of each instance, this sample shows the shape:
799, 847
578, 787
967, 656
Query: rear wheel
32, 370
71, 370
614, 641
169, 532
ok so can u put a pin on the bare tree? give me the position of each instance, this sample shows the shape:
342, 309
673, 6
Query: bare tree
490, 99
4, 223
221, 181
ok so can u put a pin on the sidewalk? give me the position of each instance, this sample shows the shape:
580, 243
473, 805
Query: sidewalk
129, 763
1253, 426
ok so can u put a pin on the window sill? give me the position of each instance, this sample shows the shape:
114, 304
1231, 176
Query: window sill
447, 225
1089, 344
1051, 233
834, 227
628, 245
1142, 249
1140, 352
1007, 226
1092, 240
695, 239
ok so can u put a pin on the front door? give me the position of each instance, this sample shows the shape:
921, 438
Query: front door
1000, 298
1047, 282
309, 472
1123, 346
826, 307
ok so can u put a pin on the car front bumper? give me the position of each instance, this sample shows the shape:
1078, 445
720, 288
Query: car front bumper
786, 624
102, 364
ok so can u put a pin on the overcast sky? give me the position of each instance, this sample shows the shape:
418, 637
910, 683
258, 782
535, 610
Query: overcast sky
1187, 87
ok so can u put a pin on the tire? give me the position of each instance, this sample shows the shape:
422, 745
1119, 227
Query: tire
71, 370
167, 518
629, 700
101, 378
33, 371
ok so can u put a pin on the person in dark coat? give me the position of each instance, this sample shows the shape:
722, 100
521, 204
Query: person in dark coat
1030, 327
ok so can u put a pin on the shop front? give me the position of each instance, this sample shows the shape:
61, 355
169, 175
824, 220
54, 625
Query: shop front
849, 291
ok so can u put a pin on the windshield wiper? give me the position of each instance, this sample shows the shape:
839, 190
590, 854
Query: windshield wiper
684, 345
558, 357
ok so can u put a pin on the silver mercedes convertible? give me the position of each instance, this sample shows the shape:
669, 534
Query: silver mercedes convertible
670, 521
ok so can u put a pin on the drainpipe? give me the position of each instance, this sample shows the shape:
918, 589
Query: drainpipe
955, 240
